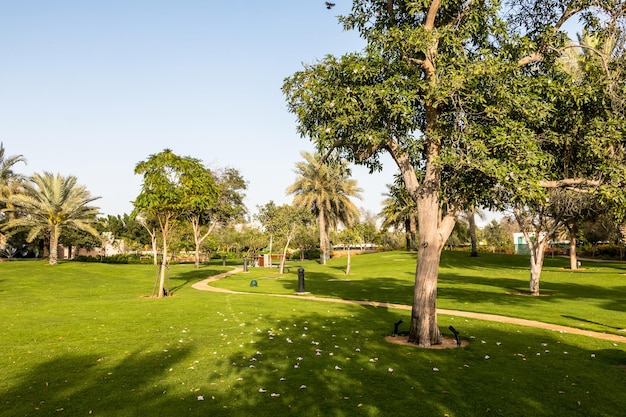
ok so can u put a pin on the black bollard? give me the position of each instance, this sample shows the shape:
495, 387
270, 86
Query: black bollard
456, 336
300, 279
223, 261
395, 327
245, 264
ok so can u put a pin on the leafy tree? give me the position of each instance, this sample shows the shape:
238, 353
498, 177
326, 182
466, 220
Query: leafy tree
499, 235
323, 185
49, 204
449, 90
349, 237
151, 226
584, 138
283, 222
226, 206
172, 186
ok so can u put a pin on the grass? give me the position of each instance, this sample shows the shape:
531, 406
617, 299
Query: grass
593, 298
80, 339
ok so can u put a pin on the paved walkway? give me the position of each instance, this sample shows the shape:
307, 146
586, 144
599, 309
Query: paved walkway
204, 286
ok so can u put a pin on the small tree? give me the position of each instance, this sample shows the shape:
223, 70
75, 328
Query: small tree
227, 206
349, 237
282, 222
172, 186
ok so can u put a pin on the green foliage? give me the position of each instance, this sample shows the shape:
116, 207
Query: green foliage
120, 258
48, 204
174, 184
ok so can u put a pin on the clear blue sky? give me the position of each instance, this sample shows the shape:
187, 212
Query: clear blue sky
90, 88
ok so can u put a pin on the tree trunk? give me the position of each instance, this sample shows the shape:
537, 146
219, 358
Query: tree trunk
54, 245
410, 229
271, 242
424, 329
321, 224
472, 230
155, 255
537, 254
348, 265
196, 258
573, 257
164, 230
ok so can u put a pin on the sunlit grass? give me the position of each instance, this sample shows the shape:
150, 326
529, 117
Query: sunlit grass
82, 339
592, 298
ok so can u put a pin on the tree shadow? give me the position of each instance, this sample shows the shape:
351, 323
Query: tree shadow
315, 364
180, 279
80, 384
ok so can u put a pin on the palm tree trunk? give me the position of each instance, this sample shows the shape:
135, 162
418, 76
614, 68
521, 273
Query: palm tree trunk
321, 223
54, 243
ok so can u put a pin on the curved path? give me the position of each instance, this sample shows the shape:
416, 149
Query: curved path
204, 286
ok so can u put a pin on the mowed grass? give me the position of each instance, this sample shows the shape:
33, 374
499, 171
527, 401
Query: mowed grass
592, 298
82, 339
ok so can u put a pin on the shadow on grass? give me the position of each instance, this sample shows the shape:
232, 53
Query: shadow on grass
181, 279
78, 384
591, 322
313, 364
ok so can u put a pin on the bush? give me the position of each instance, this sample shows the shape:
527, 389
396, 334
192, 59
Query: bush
120, 258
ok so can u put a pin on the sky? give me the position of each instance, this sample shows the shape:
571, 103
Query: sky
91, 88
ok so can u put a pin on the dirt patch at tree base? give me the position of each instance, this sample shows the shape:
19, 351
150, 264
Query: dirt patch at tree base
448, 342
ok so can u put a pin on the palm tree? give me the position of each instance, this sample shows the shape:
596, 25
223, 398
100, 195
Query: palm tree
470, 216
49, 204
9, 180
399, 210
324, 186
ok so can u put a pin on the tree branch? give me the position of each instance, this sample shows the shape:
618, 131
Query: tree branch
538, 55
569, 183
432, 13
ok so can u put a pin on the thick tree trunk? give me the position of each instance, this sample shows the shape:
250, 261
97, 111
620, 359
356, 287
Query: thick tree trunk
537, 254
424, 329
54, 245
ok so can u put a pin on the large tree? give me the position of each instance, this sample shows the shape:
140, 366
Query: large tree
584, 137
50, 203
448, 89
172, 187
323, 185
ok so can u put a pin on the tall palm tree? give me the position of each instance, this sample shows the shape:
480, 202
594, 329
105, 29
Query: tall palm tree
399, 210
49, 204
325, 187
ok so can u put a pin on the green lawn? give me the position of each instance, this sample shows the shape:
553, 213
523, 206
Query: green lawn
81, 339
592, 298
